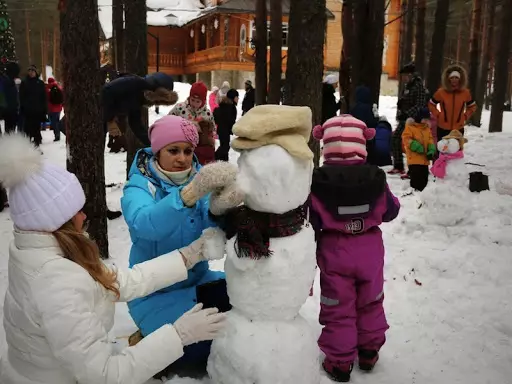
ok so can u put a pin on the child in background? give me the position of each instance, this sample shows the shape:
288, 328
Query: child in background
205, 150
349, 200
419, 148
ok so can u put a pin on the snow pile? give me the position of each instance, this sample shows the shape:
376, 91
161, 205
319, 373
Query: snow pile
159, 13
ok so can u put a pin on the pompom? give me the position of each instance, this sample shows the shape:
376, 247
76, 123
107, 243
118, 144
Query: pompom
19, 159
318, 132
369, 133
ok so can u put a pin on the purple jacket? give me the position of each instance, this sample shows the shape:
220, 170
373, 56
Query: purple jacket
351, 199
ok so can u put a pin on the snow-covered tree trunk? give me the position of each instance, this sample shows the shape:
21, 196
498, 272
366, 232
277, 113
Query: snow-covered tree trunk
304, 72
136, 55
504, 33
261, 52
276, 47
79, 29
435, 65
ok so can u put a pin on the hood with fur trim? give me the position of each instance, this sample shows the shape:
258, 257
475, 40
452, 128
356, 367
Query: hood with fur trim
463, 76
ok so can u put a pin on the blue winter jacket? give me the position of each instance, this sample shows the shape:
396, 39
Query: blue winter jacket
160, 223
363, 110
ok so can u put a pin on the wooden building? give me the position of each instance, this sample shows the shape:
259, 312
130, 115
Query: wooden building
217, 46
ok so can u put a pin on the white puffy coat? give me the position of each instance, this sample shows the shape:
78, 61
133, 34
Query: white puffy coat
56, 318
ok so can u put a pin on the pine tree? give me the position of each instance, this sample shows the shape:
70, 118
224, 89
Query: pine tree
7, 45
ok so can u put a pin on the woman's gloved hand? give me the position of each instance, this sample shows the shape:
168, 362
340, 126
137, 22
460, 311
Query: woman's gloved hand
225, 199
195, 252
199, 324
210, 178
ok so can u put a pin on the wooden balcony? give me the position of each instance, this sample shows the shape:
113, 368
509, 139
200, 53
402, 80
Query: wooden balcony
217, 58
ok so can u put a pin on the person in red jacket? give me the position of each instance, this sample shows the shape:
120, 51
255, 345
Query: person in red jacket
55, 101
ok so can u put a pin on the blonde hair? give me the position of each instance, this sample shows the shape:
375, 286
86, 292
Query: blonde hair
78, 248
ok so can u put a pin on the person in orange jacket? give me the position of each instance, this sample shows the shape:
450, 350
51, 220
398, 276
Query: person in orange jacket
419, 148
455, 101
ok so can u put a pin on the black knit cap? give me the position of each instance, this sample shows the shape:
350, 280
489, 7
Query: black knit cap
408, 69
232, 93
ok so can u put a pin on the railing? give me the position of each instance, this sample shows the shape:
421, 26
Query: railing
169, 60
227, 54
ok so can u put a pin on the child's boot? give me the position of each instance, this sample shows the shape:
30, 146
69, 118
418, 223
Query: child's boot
338, 371
368, 359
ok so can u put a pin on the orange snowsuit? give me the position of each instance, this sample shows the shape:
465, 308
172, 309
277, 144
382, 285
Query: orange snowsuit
457, 106
422, 134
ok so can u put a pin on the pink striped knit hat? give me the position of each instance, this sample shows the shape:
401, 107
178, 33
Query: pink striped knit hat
344, 139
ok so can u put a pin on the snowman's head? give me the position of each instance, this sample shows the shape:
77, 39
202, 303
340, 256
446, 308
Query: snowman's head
273, 181
449, 146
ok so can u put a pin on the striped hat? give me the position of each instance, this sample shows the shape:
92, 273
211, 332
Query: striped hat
344, 139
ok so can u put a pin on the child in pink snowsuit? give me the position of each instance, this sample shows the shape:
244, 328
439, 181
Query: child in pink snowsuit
349, 200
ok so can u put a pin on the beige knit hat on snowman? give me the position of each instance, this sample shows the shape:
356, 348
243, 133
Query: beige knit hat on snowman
456, 135
283, 125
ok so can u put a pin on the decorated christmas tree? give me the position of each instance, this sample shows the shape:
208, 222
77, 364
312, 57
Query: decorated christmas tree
7, 46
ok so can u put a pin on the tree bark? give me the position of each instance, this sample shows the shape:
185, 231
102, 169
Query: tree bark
261, 52
502, 55
304, 72
79, 28
409, 31
420, 37
136, 54
276, 47
402, 60
374, 73
474, 50
484, 70
435, 66
347, 30
118, 34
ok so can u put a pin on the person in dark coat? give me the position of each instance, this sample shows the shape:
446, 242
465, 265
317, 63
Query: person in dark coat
330, 106
413, 98
124, 98
10, 109
363, 110
33, 104
249, 98
225, 118
382, 143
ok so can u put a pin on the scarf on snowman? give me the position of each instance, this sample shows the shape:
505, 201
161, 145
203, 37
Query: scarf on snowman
439, 167
255, 229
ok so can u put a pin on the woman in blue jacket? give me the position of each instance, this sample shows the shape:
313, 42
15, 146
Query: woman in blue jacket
166, 207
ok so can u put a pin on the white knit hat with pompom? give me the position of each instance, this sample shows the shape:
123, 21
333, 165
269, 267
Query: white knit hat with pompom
42, 196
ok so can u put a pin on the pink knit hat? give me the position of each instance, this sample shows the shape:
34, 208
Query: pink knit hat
172, 129
344, 139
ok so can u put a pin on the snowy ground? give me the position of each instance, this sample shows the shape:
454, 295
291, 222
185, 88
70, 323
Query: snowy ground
447, 290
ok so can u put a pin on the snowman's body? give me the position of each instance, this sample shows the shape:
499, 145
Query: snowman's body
447, 201
266, 340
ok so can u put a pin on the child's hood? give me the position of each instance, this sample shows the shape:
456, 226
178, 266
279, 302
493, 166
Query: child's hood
348, 185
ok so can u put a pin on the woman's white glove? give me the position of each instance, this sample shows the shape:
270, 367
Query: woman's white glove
225, 199
212, 239
211, 177
199, 324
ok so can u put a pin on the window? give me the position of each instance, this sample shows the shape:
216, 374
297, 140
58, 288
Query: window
284, 33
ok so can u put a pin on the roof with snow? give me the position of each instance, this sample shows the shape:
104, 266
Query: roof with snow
244, 6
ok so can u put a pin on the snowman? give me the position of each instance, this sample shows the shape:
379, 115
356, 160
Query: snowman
448, 201
271, 260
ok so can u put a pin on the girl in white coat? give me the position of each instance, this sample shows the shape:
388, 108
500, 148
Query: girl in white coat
60, 300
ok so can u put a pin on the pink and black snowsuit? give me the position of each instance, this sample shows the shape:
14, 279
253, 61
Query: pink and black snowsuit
348, 203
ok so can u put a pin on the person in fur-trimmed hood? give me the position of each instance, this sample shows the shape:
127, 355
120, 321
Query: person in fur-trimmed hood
349, 200
455, 101
124, 98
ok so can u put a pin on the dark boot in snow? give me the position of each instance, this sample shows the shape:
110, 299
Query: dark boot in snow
112, 215
368, 359
338, 371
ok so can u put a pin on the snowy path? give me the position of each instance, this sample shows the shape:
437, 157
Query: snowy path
447, 291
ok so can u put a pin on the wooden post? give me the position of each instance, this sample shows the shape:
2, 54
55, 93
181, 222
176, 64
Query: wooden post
222, 30
208, 33
196, 37
55, 48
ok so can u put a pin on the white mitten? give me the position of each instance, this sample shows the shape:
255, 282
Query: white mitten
214, 244
210, 178
193, 253
199, 324
226, 198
